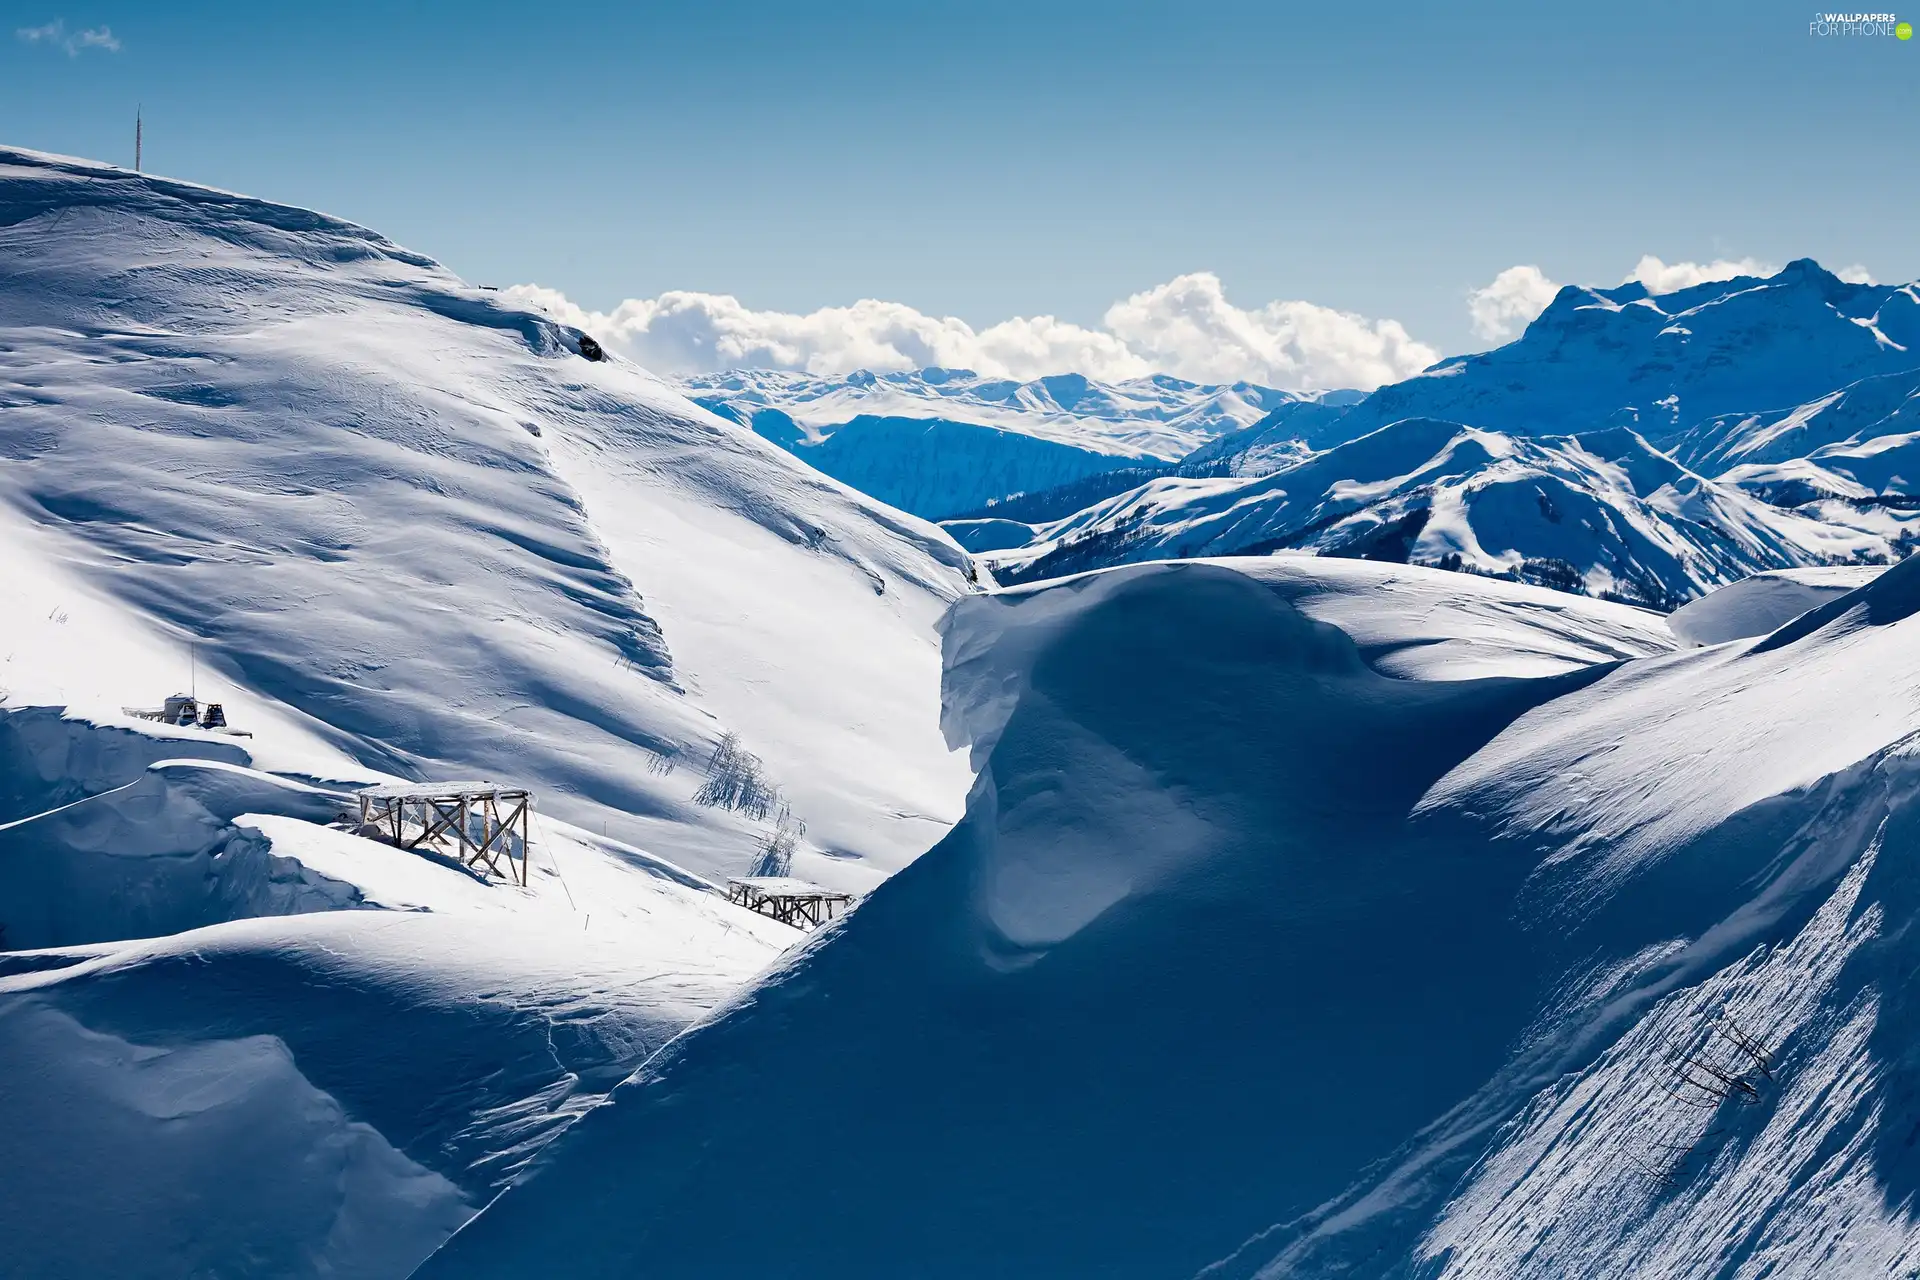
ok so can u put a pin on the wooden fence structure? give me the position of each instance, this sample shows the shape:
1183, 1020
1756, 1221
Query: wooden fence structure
790, 901
409, 815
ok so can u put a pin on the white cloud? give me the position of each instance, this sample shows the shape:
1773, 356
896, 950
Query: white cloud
1664, 277
1510, 302
1185, 327
55, 33
1856, 274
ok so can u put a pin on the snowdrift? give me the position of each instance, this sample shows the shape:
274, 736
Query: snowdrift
1764, 602
1252, 959
411, 530
272, 1047
325, 1095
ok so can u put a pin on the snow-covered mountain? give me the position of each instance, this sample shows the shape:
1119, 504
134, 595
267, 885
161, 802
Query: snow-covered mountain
1884, 405
400, 532
1308, 916
1157, 417
415, 531
1602, 513
1630, 445
939, 442
1661, 364
1281, 940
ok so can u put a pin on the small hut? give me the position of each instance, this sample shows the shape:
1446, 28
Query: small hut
790, 901
188, 712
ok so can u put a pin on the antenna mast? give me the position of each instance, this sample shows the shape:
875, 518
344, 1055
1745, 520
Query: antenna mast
136, 139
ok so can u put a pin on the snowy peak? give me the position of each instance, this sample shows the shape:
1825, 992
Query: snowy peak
1662, 363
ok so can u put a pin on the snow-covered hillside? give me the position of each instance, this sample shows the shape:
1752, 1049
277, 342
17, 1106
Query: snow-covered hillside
1764, 602
1308, 916
940, 442
413, 529
327, 1053
1276, 942
1250, 957
1602, 513
399, 531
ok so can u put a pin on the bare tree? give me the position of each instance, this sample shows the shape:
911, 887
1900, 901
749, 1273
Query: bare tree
776, 852
736, 780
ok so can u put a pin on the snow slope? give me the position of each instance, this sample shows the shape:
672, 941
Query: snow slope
328, 1053
1250, 959
410, 528
1078, 1030
1878, 406
1603, 512
1762, 603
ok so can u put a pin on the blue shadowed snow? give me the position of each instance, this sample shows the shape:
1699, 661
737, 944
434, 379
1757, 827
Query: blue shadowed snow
1135, 1005
1247, 954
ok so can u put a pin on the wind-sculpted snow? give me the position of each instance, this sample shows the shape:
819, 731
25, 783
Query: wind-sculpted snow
410, 529
323, 1095
1759, 604
1602, 513
1249, 959
331, 1090
1144, 964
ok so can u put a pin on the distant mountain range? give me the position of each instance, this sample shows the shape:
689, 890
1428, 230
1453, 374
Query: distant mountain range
1633, 446
938, 442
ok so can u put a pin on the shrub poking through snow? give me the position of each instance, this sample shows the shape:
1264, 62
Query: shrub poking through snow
736, 780
776, 854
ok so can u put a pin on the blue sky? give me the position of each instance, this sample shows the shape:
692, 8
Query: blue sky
997, 159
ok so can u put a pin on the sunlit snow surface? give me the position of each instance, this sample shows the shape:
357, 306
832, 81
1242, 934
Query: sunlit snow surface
339, 1050
1758, 604
1308, 917
410, 527
400, 532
